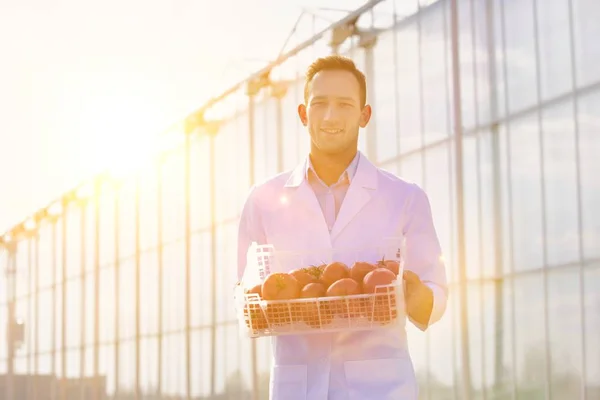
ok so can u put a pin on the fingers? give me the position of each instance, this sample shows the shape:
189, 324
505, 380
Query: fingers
410, 277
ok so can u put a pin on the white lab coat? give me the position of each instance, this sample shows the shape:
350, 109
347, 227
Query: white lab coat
365, 365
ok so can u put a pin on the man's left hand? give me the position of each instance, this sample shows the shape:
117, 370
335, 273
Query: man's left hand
418, 297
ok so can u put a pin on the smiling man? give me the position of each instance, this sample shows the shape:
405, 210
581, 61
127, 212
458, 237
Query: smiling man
336, 198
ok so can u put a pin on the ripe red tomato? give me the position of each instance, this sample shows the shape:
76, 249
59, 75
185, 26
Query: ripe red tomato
379, 276
253, 313
334, 272
359, 269
315, 313
382, 307
303, 277
280, 286
345, 307
392, 265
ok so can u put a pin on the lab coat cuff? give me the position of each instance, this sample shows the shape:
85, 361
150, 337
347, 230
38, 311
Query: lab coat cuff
438, 309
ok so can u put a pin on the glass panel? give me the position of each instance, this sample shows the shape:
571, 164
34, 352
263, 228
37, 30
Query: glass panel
127, 367
73, 363
107, 229
148, 210
44, 364
271, 134
127, 299
520, 53
438, 190
45, 262
242, 176
589, 165
201, 275
173, 196
199, 184
44, 320
487, 199
526, 193
411, 168
472, 209
173, 367
90, 235
149, 300
227, 276
106, 364
90, 307
591, 288
555, 51
560, 178
201, 366
229, 356
565, 333
408, 109
440, 374
587, 46
73, 221
292, 130
173, 280
73, 317
435, 74
149, 366
259, 141
22, 269
58, 324
107, 305
127, 220
226, 188
384, 94
530, 336
468, 70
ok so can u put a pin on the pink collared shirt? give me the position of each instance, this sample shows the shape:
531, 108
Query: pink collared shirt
331, 197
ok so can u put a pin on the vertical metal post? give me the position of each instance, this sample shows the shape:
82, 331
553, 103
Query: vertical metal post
547, 350
159, 255
137, 286
497, 202
96, 374
574, 85
188, 261
63, 337
54, 299
511, 261
213, 259
117, 290
253, 350
460, 214
28, 325
36, 284
83, 310
10, 339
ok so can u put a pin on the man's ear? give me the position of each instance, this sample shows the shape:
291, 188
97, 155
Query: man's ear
365, 115
302, 114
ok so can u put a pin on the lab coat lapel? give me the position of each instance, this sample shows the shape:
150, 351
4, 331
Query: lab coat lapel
300, 195
361, 190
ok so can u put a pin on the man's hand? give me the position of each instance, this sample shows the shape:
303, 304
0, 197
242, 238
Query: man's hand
418, 297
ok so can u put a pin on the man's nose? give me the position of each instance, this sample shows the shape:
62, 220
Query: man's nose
330, 113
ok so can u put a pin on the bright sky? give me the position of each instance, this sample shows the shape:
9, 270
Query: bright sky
76, 76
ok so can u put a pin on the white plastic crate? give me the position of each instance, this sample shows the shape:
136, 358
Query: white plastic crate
382, 309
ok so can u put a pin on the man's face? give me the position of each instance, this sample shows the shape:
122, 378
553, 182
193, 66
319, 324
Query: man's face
333, 113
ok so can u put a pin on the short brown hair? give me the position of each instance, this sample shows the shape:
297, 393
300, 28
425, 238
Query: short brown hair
336, 62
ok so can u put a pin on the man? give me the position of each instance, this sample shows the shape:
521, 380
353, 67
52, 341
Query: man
336, 198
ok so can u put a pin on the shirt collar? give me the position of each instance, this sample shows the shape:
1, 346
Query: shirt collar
347, 175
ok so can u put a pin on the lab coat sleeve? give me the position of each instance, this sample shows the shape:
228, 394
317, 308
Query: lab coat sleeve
249, 230
424, 254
